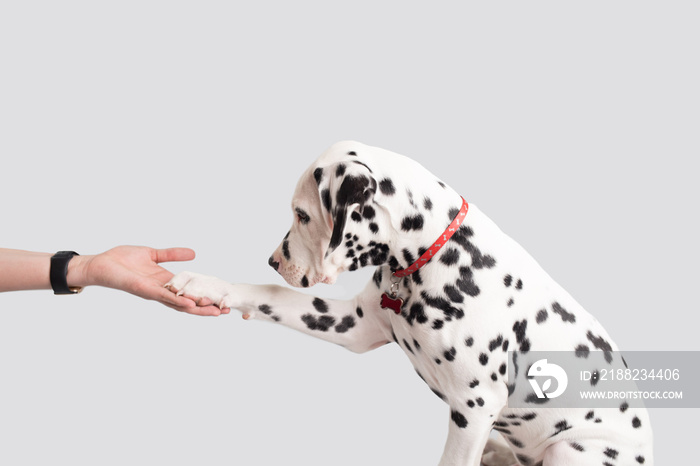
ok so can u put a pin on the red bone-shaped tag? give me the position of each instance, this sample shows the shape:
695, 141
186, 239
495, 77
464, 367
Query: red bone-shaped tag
394, 304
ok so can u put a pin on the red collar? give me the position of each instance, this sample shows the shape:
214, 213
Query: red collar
441, 241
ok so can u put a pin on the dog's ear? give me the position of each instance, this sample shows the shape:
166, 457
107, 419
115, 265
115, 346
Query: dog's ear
351, 188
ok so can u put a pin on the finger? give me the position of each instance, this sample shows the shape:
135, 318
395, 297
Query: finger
169, 298
184, 303
172, 255
208, 311
202, 301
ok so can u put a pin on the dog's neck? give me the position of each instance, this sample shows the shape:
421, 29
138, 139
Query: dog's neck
415, 217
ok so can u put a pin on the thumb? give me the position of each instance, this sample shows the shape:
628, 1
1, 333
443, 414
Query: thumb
172, 254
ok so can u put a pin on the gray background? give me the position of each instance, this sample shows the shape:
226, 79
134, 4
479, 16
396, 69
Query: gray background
187, 123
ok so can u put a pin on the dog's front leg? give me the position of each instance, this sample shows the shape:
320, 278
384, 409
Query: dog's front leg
470, 426
466, 439
340, 322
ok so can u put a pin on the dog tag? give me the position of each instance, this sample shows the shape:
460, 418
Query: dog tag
393, 303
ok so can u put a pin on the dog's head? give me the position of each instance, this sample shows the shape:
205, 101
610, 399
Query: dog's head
337, 223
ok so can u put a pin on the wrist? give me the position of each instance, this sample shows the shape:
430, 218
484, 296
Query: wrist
77, 273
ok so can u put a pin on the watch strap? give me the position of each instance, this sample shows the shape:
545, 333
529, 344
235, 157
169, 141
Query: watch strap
59, 271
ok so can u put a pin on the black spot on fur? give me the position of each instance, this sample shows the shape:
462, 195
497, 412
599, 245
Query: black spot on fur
502, 369
528, 417
326, 199
352, 152
450, 354
450, 256
346, 324
445, 306
590, 415
374, 228
466, 282
427, 204
469, 341
582, 351
565, 316
368, 212
265, 309
473, 383
318, 175
353, 190
611, 453
560, 427
601, 344
340, 171
454, 294
636, 423
496, 342
417, 314
533, 398
640, 459
576, 446
438, 324
386, 186
541, 316
484, 359
359, 312
320, 305
595, 377
479, 260
624, 406
515, 442
519, 328
322, 323
414, 222
408, 257
285, 250
507, 280
459, 419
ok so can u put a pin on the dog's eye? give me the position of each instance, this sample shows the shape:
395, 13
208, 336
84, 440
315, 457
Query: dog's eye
302, 216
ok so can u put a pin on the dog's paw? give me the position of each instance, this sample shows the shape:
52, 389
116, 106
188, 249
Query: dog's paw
202, 289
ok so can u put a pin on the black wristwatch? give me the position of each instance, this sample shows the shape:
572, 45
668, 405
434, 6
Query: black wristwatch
58, 272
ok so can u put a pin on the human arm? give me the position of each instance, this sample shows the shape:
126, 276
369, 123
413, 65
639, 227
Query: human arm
134, 269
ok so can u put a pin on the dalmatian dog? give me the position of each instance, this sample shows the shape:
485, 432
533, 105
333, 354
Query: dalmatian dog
452, 290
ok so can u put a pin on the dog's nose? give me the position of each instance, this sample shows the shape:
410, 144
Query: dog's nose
273, 263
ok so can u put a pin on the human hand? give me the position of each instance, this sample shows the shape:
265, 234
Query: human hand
135, 269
